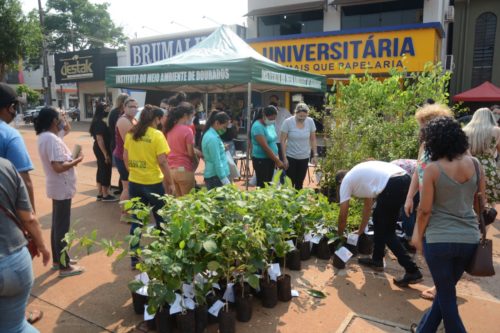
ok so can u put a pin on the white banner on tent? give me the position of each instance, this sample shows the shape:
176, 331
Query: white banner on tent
283, 78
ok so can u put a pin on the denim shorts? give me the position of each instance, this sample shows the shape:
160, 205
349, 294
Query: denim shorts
120, 166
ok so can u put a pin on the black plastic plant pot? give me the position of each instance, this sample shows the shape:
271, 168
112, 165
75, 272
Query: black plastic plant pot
269, 292
365, 244
164, 321
337, 262
323, 250
238, 289
227, 321
305, 250
186, 322
334, 246
293, 260
201, 318
284, 288
138, 302
244, 308
352, 248
151, 324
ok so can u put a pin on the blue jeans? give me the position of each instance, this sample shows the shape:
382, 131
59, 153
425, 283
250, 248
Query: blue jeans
16, 280
147, 195
447, 262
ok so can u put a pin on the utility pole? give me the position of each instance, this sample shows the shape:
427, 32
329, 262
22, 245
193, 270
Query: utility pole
46, 80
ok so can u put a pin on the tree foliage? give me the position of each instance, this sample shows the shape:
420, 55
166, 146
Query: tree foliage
20, 37
373, 118
73, 25
32, 96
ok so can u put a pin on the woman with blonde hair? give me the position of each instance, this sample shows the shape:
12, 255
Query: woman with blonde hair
484, 142
423, 116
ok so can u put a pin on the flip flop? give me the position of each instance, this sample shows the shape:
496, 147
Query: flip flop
75, 270
426, 294
34, 316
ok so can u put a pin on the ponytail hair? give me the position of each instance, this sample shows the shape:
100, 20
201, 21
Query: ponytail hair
267, 111
216, 116
177, 99
184, 108
148, 115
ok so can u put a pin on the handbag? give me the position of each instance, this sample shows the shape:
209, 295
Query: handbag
489, 215
481, 263
32, 248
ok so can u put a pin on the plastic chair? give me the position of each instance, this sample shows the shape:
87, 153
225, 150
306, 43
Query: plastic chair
240, 147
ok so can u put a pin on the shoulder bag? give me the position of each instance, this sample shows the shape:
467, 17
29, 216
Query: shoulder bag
481, 263
32, 248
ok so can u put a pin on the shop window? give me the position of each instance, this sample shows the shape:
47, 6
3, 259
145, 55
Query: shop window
382, 14
290, 24
484, 47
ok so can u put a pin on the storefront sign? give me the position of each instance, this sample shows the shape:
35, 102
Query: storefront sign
339, 54
81, 66
143, 53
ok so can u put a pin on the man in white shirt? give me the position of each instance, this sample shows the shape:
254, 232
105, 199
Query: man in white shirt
388, 184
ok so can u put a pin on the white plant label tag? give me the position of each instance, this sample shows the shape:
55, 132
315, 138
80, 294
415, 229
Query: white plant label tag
291, 246
352, 239
344, 254
143, 277
188, 290
189, 303
143, 291
215, 308
216, 285
307, 237
147, 316
176, 306
229, 293
295, 293
198, 278
274, 271
316, 239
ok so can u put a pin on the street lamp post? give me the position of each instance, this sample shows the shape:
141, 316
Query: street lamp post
46, 80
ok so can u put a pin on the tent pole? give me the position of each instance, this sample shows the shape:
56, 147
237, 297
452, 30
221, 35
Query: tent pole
249, 110
206, 106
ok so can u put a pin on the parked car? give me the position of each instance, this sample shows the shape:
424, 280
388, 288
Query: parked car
29, 116
74, 114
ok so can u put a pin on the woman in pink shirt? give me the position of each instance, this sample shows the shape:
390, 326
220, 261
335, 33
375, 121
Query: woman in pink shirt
180, 138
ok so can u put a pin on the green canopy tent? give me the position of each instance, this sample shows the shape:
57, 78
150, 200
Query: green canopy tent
221, 63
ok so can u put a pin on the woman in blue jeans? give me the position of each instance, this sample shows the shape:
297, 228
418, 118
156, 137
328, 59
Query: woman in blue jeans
447, 229
16, 273
145, 156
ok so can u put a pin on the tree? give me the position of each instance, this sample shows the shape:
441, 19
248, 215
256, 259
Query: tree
32, 96
373, 118
20, 37
73, 25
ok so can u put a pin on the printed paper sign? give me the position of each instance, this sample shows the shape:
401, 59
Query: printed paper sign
147, 316
143, 291
215, 308
295, 293
216, 285
344, 254
143, 277
274, 271
189, 303
316, 239
188, 290
176, 306
229, 293
291, 246
352, 239
307, 237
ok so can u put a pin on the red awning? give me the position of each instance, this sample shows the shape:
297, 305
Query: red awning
486, 92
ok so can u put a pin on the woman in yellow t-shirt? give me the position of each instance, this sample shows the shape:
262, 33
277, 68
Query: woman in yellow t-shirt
145, 156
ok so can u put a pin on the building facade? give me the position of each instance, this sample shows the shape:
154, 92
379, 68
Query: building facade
476, 44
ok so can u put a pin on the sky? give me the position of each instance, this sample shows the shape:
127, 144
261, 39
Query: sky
143, 18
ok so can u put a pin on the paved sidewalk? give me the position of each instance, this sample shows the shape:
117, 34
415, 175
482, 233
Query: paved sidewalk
358, 300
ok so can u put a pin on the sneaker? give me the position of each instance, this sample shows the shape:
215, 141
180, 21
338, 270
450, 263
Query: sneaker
368, 262
117, 192
109, 198
99, 197
408, 278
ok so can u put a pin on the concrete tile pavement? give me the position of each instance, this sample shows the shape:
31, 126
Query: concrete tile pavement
99, 301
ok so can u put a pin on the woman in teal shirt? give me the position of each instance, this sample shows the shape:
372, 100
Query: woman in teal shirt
264, 148
216, 166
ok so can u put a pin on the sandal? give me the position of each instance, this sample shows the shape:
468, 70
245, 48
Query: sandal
428, 294
34, 316
71, 271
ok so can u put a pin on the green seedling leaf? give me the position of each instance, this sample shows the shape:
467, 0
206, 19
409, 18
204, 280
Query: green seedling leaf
182, 244
213, 265
316, 293
210, 246
135, 285
253, 281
